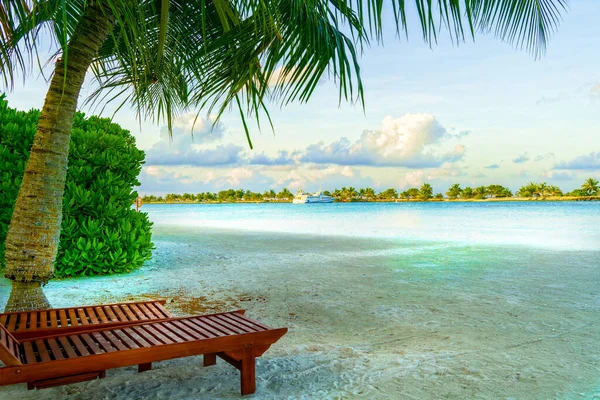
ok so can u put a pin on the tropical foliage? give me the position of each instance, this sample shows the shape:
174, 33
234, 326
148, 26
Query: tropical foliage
350, 194
101, 233
591, 187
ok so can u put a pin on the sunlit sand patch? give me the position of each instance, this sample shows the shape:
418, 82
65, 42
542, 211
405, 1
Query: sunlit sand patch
181, 302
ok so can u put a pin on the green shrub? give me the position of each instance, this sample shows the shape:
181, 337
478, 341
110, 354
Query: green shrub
101, 233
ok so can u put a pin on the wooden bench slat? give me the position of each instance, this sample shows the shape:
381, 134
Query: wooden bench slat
248, 320
110, 314
135, 337
178, 331
114, 340
91, 344
196, 335
234, 327
168, 333
149, 314
155, 311
12, 322
239, 323
130, 343
63, 318
23, 321
83, 319
67, 347
33, 320
127, 311
53, 318
42, 350
92, 315
120, 316
199, 328
79, 345
101, 315
224, 330
160, 309
10, 344
29, 353
173, 330
102, 342
146, 335
43, 319
3, 319
73, 317
138, 313
157, 334
56, 352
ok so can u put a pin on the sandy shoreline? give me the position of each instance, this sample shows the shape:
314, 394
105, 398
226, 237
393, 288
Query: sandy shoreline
368, 318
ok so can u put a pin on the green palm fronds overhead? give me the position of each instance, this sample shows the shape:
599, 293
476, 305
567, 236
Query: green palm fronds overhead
166, 57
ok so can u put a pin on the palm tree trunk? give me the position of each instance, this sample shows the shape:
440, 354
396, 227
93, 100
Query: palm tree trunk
34, 231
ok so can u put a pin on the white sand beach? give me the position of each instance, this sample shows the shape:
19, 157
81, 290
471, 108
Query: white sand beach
367, 318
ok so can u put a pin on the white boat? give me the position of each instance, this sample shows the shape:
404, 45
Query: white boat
305, 198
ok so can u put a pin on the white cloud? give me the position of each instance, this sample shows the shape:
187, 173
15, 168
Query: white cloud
238, 175
312, 177
587, 162
185, 148
521, 158
282, 158
411, 141
412, 179
347, 172
203, 130
558, 176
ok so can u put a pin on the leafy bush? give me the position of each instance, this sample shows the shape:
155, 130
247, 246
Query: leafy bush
101, 233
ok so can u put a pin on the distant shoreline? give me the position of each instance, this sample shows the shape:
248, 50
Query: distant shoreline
501, 199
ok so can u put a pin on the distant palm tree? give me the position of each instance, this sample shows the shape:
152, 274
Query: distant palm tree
542, 189
554, 191
426, 191
480, 192
591, 187
467, 193
529, 190
454, 191
369, 193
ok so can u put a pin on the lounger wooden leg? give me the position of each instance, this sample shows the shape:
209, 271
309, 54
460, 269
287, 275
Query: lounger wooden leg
248, 371
210, 359
144, 367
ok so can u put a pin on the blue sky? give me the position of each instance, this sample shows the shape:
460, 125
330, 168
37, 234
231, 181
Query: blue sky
479, 113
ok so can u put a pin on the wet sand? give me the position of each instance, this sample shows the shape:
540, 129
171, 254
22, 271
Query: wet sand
368, 318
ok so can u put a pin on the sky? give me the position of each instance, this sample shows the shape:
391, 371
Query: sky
479, 113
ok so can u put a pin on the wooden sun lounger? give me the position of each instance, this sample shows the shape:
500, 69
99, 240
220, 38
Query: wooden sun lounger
32, 324
85, 355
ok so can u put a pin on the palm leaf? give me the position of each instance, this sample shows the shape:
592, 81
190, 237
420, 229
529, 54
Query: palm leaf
166, 57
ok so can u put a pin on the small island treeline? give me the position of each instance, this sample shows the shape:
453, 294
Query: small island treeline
590, 190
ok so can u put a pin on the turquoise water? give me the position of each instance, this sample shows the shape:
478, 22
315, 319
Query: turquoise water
382, 300
555, 225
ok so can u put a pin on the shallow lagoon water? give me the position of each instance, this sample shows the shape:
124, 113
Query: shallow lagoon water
390, 301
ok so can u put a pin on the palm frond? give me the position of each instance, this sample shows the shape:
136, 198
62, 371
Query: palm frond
166, 57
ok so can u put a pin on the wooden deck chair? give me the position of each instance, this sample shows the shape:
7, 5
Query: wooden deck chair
86, 355
32, 324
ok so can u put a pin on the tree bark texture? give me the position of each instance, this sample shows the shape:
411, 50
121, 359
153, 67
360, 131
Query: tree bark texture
34, 231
